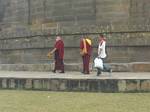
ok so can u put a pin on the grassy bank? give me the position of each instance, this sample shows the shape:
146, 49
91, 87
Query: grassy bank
40, 101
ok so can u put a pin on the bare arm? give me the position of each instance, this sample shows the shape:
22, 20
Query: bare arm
53, 50
99, 50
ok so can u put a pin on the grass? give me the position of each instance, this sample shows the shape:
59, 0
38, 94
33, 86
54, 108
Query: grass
41, 101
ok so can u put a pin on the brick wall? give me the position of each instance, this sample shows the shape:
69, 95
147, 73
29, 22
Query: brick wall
22, 20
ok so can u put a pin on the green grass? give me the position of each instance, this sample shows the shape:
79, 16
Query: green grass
41, 101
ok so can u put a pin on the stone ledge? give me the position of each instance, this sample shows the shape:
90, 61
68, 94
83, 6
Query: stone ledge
116, 67
141, 67
90, 85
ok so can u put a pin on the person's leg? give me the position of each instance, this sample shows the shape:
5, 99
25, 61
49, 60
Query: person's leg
55, 67
87, 62
56, 57
62, 66
98, 71
83, 59
58, 65
107, 68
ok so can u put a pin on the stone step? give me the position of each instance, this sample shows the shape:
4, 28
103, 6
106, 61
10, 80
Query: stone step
75, 81
116, 67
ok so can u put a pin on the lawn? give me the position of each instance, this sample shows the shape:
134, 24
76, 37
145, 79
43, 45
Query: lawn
41, 101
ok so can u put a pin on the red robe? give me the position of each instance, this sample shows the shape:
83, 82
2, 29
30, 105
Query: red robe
59, 55
86, 56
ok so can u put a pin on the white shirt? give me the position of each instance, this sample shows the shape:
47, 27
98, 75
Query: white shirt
101, 50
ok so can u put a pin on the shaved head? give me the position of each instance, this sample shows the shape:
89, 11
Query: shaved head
58, 38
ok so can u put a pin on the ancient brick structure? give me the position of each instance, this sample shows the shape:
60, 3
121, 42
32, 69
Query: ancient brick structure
24, 25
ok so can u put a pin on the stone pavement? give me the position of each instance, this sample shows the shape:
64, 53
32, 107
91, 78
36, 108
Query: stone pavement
74, 75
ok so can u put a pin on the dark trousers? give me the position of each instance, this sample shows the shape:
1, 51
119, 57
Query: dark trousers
99, 71
106, 68
59, 64
86, 62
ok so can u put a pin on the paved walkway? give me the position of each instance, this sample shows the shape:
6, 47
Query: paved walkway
74, 75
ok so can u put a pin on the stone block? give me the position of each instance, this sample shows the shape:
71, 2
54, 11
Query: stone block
37, 84
4, 83
133, 85
121, 67
93, 85
145, 85
84, 85
45, 84
73, 85
12, 84
63, 85
28, 84
122, 85
141, 67
20, 83
54, 84
108, 85
73, 67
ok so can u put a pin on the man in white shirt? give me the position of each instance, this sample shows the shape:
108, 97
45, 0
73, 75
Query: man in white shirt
102, 47
102, 54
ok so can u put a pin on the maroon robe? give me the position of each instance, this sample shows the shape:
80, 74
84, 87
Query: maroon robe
59, 55
86, 57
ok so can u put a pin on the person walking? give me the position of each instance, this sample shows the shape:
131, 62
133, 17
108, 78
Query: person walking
58, 55
85, 51
101, 51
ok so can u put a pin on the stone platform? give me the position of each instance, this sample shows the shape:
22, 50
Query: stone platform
117, 67
76, 81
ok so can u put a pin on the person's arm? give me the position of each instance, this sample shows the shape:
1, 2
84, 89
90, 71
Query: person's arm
99, 50
53, 50
49, 55
81, 47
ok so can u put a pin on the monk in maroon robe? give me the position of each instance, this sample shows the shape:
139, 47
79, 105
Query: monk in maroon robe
85, 51
58, 55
